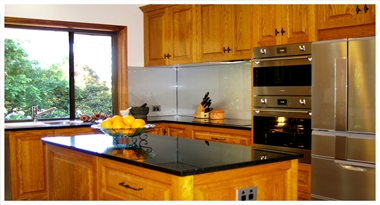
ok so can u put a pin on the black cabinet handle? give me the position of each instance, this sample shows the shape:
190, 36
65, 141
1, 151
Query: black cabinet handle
366, 8
282, 31
164, 132
215, 138
276, 32
228, 49
167, 55
129, 187
357, 10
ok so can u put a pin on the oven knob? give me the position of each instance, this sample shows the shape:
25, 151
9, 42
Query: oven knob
263, 101
302, 101
302, 47
263, 51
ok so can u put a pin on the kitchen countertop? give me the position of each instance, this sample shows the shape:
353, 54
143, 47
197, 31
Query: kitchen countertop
226, 123
177, 156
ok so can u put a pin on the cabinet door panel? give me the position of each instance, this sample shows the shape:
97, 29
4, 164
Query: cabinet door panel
214, 31
182, 27
155, 36
242, 34
27, 165
264, 20
333, 16
299, 23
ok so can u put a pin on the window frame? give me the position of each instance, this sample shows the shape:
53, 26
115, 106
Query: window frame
119, 53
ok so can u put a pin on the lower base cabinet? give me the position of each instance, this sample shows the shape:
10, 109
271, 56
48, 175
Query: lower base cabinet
78, 176
27, 160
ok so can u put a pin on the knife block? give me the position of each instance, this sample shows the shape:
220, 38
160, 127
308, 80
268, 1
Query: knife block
200, 112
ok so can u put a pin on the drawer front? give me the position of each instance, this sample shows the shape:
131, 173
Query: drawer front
129, 186
221, 137
336, 180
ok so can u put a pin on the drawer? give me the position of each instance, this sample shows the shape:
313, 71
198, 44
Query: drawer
137, 184
234, 137
342, 180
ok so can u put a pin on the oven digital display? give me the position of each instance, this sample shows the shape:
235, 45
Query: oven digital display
282, 102
281, 50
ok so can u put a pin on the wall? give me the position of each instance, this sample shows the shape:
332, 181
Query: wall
180, 90
128, 15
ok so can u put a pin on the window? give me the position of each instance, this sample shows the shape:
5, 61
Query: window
72, 70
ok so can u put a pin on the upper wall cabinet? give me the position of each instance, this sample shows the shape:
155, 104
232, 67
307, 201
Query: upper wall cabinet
168, 34
283, 24
224, 32
335, 16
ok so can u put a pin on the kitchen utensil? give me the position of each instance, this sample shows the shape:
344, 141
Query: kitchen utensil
143, 105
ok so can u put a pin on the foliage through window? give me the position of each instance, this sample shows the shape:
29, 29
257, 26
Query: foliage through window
38, 72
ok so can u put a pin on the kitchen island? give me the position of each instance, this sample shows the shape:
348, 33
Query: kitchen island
95, 167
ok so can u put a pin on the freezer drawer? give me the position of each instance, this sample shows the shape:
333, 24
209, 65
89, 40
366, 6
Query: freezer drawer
342, 180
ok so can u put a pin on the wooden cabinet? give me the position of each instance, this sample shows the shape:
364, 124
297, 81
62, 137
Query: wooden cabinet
283, 24
178, 130
343, 15
159, 129
27, 161
224, 32
304, 182
71, 175
346, 21
225, 135
168, 34
120, 181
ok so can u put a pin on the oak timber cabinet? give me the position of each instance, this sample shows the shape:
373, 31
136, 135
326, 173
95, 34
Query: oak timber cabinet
27, 160
334, 16
224, 32
284, 24
168, 34
208, 133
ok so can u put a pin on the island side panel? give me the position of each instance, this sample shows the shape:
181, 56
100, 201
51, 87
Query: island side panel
71, 175
274, 181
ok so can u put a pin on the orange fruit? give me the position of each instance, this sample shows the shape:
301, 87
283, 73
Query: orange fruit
138, 124
128, 130
118, 126
106, 124
141, 121
128, 120
117, 118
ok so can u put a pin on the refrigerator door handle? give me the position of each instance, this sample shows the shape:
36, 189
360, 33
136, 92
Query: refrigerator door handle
359, 167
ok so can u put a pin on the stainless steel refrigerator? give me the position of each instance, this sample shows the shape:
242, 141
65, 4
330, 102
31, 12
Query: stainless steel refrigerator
343, 119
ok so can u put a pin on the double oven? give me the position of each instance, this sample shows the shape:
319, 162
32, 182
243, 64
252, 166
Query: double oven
282, 98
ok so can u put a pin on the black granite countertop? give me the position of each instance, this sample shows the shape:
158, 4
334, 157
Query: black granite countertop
225, 123
172, 155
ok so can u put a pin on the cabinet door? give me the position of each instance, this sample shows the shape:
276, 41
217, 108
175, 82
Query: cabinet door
27, 164
159, 129
266, 25
71, 175
304, 181
224, 135
214, 31
155, 37
242, 39
338, 15
298, 22
181, 26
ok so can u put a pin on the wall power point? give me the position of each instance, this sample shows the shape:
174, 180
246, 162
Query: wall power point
246, 194
156, 108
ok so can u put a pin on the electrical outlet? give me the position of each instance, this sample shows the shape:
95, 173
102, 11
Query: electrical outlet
246, 194
156, 108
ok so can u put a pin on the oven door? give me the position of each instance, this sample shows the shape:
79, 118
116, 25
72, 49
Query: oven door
282, 76
283, 130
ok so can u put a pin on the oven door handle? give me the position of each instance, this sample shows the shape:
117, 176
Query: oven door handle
257, 61
278, 110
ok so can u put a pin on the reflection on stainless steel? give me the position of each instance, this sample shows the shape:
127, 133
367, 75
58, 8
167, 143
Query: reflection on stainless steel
343, 120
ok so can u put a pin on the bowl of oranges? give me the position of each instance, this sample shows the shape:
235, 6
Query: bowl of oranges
123, 127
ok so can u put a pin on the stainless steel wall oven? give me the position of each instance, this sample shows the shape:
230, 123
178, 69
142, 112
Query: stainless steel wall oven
282, 98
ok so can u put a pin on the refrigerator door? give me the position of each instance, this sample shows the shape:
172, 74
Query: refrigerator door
361, 85
329, 71
342, 180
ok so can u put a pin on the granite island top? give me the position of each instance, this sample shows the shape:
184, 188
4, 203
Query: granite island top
172, 155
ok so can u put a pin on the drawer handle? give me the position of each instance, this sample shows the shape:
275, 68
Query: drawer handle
127, 186
215, 138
